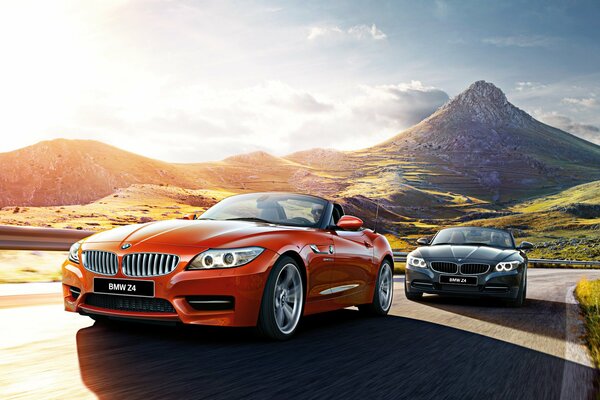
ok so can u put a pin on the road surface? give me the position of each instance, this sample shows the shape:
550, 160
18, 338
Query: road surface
438, 348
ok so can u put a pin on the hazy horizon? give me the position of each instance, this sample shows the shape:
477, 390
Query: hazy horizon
191, 82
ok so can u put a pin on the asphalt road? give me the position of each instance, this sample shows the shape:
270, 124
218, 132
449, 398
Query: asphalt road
438, 348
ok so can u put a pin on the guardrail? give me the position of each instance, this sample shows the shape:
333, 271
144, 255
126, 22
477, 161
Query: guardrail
30, 238
54, 239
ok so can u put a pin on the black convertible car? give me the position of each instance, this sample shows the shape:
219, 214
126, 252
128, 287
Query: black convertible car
469, 261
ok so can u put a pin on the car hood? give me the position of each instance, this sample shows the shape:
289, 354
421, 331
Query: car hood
200, 233
464, 253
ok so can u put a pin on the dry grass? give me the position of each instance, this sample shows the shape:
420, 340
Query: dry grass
588, 294
30, 266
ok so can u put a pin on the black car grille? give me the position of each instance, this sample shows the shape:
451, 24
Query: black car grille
474, 269
129, 303
445, 267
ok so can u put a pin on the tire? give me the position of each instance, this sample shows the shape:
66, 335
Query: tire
411, 296
282, 302
384, 292
521, 295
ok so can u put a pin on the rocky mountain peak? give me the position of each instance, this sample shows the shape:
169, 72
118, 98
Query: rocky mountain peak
484, 103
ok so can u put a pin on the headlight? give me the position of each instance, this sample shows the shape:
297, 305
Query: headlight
74, 252
416, 262
224, 258
507, 266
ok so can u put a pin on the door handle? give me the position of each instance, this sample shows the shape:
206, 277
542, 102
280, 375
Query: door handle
368, 245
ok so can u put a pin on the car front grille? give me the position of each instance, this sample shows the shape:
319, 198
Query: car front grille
474, 269
444, 267
100, 262
129, 303
149, 264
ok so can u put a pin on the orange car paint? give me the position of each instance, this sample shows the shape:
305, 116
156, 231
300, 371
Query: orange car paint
353, 266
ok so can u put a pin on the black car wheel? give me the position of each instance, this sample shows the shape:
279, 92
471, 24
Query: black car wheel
519, 301
283, 301
411, 296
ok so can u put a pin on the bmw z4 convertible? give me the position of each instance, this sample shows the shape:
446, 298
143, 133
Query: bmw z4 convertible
262, 260
469, 261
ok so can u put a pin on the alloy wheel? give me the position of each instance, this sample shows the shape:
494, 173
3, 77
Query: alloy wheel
287, 301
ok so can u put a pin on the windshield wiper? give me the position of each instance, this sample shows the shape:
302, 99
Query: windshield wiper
251, 219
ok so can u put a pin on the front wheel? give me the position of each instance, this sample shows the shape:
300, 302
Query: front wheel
282, 302
521, 298
384, 292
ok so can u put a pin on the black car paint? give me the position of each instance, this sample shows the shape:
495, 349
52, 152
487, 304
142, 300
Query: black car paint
493, 283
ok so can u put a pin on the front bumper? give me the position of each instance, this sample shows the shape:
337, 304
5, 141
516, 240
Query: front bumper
244, 285
503, 284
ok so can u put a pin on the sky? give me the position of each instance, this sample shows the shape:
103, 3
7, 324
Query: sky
192, 81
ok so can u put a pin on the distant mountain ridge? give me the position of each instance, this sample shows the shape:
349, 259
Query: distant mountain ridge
476, 148
481, 135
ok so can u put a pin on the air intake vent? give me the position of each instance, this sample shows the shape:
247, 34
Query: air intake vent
129, 303
100, 262
444, 267
474, 269
149, 264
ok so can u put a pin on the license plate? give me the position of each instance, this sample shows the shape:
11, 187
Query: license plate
458, 280
128, 287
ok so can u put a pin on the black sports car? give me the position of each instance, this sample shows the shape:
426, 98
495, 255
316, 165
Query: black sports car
469, 261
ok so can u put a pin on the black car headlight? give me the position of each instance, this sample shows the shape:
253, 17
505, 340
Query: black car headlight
224, 258
416, 262
507, 265
74, 252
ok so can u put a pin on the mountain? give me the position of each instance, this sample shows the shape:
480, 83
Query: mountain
74, 172
473, 154
482, 140
63, 172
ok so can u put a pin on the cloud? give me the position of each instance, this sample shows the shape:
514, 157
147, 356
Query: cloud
366, 32
316, 32
404, 104
198, 124
520, 41
529, 86
585, 131
357, 32
584, 102
441, 9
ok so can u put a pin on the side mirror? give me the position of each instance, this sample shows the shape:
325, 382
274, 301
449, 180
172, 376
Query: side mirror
525, 246
423, 241
189, 216
350, 223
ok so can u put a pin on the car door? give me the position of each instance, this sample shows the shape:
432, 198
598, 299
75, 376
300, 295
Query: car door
351, 271
320, 259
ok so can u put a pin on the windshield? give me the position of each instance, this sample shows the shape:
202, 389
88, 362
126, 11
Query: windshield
474, 236
274, 208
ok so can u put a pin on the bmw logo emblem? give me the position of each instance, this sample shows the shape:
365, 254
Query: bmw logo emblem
126, 246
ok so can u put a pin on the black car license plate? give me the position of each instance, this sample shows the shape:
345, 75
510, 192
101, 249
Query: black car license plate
124, 287
458, 280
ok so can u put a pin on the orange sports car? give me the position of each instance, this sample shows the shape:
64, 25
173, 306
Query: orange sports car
262, 259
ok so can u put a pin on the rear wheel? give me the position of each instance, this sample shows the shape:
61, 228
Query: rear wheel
411, 296
282, 302
384, 292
